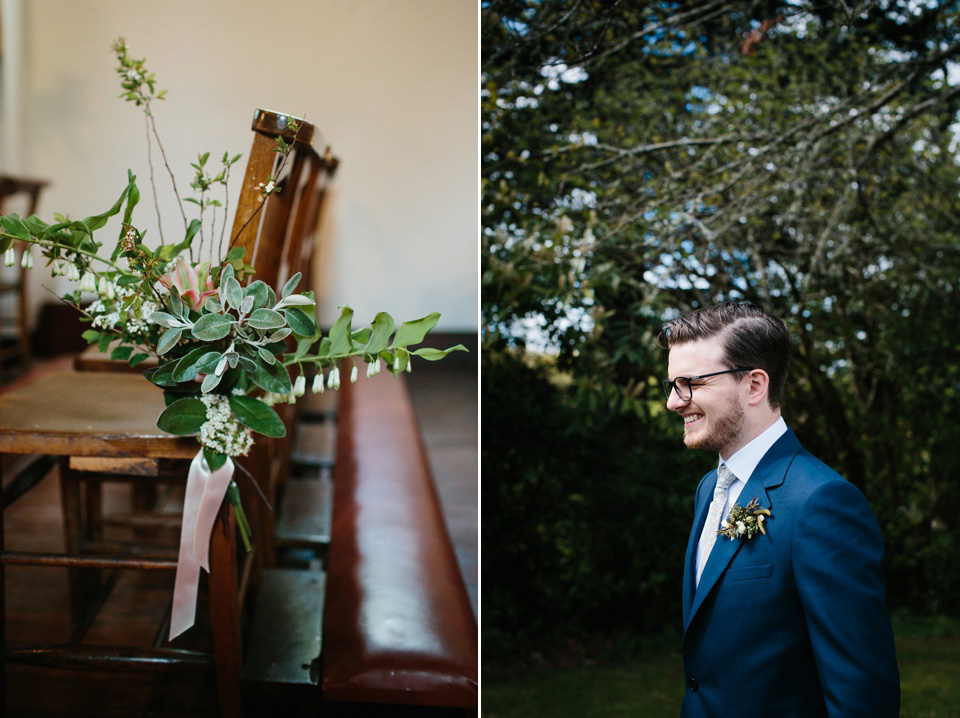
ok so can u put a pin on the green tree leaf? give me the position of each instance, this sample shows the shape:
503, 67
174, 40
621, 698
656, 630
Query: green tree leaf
211, 327
168, 340
183, 417
413, 332
266, 319
256, 415
340, 343
382, 328
273, 378
186, 369
431, 354
300, 322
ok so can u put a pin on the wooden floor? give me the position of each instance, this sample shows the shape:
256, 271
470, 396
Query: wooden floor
445, 399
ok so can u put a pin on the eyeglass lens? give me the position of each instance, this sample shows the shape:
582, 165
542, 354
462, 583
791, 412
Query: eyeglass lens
681, 385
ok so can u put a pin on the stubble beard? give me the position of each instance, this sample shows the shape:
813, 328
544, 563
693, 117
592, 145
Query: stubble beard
724, 429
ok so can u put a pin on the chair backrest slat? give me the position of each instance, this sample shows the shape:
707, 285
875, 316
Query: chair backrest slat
277, 231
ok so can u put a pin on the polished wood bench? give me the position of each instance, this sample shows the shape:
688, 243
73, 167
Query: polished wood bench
398, 625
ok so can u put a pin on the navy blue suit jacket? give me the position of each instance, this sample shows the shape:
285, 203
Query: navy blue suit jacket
791, 623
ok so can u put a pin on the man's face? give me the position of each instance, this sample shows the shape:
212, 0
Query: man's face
713, 419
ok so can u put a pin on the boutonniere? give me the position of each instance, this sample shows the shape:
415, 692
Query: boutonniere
745, 522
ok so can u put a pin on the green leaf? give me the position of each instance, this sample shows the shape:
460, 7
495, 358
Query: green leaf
207, 364
137, 358
266, 319
266, 356
162, 375
210, 382
273, 378
300, 322
211, 327
213, 458
103, 343
90, 336
234, 254
431, 354
168, 340
183, 417
233, 292
256, 415
290, 286
414, 331
257, 290
340, 333
186, 369
13, 224
121, 353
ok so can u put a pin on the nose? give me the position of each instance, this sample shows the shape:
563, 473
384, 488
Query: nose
674, 402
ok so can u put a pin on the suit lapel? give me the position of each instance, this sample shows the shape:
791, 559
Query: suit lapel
769, 474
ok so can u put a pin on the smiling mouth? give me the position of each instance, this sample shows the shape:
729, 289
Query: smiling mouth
691, 419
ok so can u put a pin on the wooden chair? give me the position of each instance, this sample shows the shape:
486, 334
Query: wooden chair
17, 347
103, 424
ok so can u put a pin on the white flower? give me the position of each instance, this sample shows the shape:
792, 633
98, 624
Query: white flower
333, 379
9, 257
353, 374
26, 261
221, 432
741, 528
88, 283
317, 386
73, 274
300, 386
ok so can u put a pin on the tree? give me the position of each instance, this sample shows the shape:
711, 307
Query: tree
640, 161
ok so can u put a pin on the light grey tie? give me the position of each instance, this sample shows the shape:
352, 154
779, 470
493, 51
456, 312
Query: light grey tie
717, 507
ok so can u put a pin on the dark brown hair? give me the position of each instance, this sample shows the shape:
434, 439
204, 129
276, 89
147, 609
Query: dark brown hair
750, 338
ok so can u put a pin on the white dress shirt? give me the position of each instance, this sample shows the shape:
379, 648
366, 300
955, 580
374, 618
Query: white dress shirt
741, 465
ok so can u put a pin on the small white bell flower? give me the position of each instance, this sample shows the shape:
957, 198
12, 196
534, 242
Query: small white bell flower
73, 274
317, 386
88, 283
353, 374
26, 261
9, 257
333, 379
300, 386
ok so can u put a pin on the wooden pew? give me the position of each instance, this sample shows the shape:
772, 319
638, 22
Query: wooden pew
398, 626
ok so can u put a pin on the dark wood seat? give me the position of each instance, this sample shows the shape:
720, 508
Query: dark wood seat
398, 624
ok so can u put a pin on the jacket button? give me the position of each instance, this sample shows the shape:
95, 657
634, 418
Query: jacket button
692, 684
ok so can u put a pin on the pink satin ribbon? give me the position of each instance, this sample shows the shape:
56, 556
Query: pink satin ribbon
201, 504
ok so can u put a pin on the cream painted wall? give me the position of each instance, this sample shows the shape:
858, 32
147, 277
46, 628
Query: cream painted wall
390, 83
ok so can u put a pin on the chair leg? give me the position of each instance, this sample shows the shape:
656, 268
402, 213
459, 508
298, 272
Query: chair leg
3, 611
83, 582
225, 613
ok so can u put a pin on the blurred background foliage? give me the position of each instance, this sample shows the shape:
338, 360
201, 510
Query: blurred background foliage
643, 159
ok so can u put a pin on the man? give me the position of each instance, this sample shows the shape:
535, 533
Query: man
787, 618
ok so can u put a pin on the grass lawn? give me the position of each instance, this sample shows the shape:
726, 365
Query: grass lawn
652, 686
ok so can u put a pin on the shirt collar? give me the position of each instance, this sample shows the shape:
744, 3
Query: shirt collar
743, 463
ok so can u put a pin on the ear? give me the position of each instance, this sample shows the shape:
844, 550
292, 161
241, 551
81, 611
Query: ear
757, 386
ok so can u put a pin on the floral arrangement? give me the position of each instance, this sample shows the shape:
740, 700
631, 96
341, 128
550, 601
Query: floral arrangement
745, 521
227, 344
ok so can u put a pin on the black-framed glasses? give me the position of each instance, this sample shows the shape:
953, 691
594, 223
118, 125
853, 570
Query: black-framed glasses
684, 385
